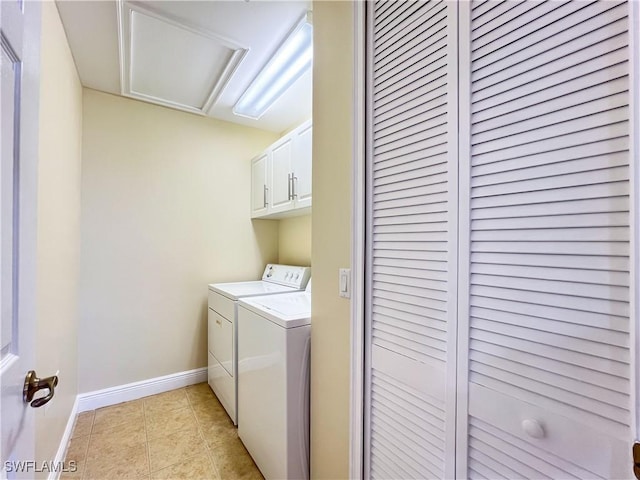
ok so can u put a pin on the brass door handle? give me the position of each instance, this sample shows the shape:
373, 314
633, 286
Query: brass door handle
32, 384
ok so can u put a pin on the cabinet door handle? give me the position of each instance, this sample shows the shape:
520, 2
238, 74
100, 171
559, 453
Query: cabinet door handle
293, 186
289, 176
264, 196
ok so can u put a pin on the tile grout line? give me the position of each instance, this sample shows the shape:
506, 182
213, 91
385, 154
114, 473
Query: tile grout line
146, 435
170, 433
206, 444
237, 437
109, 427
83, 473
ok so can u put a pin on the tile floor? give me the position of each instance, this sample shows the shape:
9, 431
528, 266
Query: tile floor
181, 434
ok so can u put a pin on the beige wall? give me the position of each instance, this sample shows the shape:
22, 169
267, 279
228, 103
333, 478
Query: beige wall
165, 211
294, 244
59, 172
332, 153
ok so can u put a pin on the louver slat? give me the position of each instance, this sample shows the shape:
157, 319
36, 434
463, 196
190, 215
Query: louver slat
490, 11
592, 18
405, 31
605, 39
405, 423
516, 28
533, 86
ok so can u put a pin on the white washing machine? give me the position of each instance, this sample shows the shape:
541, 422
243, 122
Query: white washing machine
273, 382
223, 325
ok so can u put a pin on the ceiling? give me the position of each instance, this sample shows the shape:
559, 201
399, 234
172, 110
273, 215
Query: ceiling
197, 56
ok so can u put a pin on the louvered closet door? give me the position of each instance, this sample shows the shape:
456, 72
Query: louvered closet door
412, 164
548, 304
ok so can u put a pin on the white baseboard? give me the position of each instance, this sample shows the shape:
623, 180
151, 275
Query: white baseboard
123, 393
133, 391
66, 436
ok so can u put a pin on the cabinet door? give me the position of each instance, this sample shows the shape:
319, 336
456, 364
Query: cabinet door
281, 173
302, 166
259, 201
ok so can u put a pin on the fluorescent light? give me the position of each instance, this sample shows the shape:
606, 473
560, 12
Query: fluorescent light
291, 60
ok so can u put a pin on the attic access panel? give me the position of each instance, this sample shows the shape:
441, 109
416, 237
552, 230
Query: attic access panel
167, 62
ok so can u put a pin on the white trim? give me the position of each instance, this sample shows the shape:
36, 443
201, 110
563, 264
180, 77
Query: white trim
450, 398
135, 390
356, 413
634, 211
464, 239
124, 11
368, 185
64, 441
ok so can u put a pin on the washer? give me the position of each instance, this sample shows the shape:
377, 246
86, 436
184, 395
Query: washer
223, 325
273, 382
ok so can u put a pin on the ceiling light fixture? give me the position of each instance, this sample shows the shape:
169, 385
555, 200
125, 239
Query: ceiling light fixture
291, 60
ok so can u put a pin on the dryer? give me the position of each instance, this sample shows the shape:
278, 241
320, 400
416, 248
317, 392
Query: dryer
223, 325
273, 382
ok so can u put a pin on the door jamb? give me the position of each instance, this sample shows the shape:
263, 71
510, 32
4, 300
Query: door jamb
356, 413
634, 213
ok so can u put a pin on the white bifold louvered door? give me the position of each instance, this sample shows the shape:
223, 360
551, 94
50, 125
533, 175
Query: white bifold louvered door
545, 150
412, 168
498, 299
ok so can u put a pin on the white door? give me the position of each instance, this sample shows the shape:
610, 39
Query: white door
412, 240
281, 176
302, 165
545, 311
499, 213
259, 189
20, 26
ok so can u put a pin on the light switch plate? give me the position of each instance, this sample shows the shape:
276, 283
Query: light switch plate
344, 282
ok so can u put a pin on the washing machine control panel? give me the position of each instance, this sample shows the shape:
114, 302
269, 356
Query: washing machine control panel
289, 275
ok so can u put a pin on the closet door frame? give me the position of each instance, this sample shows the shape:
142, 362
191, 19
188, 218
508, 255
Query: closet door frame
358, 248
358, 235
453, 257
634, 213
464, 231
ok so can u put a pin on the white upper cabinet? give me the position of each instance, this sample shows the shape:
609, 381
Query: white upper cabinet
281, 176
259, 185
301, 178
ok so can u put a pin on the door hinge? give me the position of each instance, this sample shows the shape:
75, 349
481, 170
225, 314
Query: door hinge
636, 460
